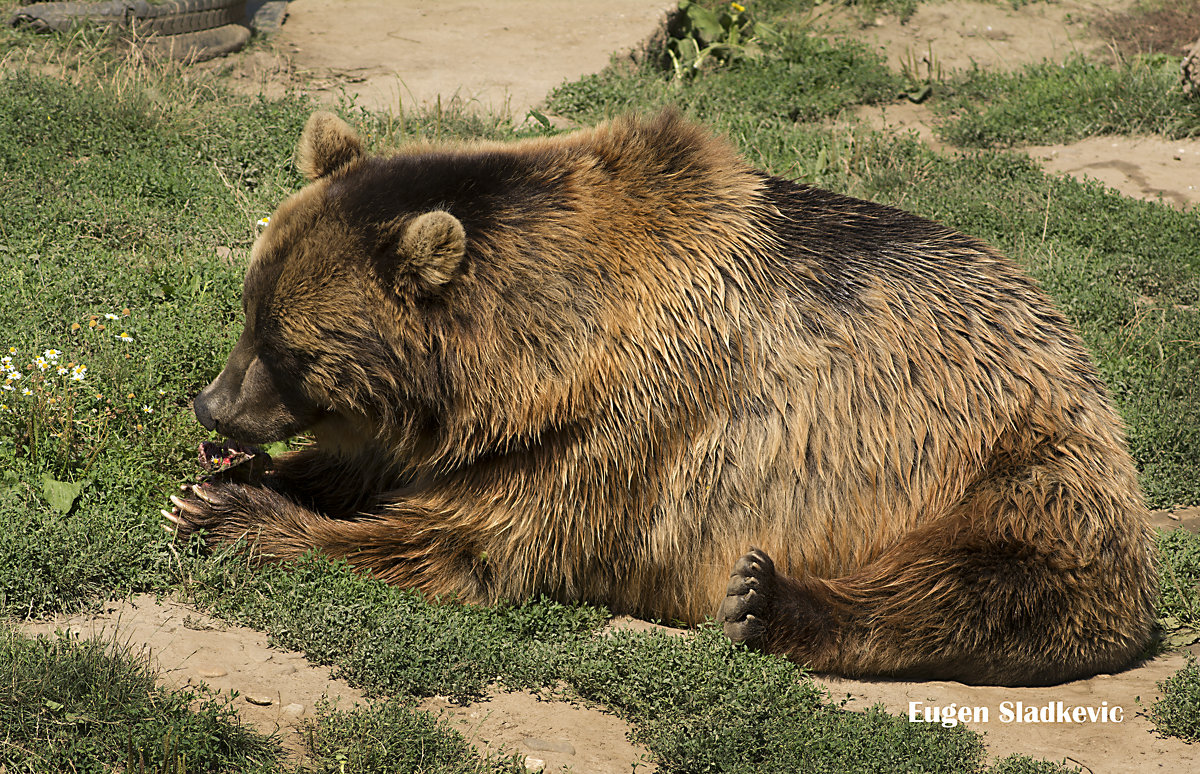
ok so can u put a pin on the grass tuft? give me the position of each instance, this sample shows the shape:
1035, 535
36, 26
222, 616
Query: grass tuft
91, 706
1060, 103
1177, 713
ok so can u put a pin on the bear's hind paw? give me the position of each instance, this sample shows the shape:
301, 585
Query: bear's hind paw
745, 611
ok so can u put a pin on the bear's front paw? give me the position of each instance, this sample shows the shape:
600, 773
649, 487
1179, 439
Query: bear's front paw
204, 506
745, 611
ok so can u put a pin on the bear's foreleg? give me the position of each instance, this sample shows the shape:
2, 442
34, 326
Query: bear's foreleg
410, 544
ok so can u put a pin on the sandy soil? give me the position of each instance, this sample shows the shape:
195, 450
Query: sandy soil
386, 54
499, 54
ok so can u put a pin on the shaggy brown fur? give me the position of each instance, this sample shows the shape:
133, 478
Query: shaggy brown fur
602, 366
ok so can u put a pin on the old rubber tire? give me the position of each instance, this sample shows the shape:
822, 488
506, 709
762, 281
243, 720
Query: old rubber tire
183, 16
171, 18
198, 46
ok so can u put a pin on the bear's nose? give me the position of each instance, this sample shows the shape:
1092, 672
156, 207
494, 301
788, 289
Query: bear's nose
201, 405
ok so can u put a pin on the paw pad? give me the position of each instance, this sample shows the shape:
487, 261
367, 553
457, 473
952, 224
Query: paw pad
745, 611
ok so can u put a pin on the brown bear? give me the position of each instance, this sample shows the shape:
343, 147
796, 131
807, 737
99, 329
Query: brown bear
603, 366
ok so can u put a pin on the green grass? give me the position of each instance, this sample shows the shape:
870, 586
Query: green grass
1059, 103
1179, 581
134, 193
800, 78
90, 706
71, 705
392, 736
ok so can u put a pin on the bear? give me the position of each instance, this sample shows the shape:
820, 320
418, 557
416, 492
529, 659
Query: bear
622, 366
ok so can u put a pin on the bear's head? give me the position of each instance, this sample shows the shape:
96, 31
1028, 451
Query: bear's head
334, 273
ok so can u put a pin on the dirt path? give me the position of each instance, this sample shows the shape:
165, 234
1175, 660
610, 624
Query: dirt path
498, 54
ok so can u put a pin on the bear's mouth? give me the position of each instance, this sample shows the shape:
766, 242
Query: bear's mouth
221, 458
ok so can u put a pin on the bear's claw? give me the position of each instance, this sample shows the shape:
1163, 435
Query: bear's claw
196, 506
747, 605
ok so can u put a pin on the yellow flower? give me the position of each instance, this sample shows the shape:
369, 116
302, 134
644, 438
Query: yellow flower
736, 7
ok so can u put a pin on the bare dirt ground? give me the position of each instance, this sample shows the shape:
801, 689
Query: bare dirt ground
388, 54
494, 54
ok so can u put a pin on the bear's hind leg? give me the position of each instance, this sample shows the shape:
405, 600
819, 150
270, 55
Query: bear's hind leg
769, 610
1024, 584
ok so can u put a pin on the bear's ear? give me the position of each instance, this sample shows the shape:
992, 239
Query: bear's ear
432, 248
326, 144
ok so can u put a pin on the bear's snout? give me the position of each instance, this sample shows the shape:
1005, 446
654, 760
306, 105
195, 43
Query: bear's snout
202, 405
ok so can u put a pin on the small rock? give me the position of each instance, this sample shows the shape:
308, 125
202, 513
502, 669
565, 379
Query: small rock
262, 700
294, 710
549, 745
535, 765
211, 672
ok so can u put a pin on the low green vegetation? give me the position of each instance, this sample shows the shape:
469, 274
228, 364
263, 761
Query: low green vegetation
1177, 713
130, 201
1056, 103
89, 706
71, 705
1179, 581
392, 736
722, 708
